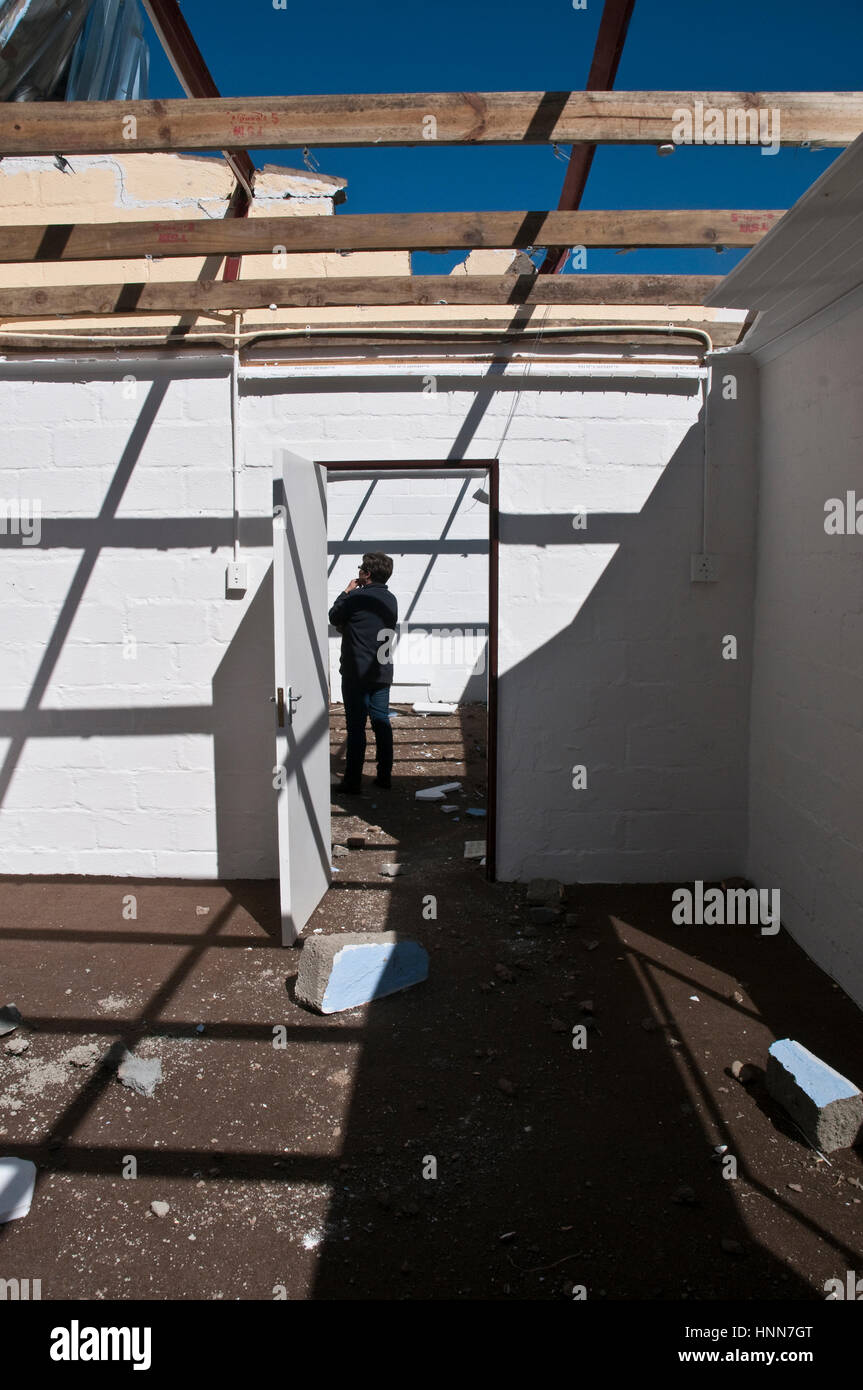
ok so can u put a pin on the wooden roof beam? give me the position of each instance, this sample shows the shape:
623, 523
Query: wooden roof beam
417, 118
439, 231
205, 296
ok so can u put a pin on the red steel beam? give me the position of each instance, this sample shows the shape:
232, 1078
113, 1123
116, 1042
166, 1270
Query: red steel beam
196, 80
616, 15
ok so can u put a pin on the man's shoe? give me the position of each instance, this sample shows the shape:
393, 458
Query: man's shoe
348, 789
384, 782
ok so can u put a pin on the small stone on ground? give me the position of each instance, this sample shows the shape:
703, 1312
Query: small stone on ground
543, 916
140, 1074
543, 891
17, 1182
9, 1019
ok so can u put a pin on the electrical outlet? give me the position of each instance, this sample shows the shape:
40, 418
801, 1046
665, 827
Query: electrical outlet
236, 578
703, 569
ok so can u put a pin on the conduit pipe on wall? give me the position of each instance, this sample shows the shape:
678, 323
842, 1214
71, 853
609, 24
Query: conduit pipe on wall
635, 367
492, 335
235, 435
707, 376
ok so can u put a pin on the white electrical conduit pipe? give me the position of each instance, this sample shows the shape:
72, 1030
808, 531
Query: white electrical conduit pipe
235, 434
393, 334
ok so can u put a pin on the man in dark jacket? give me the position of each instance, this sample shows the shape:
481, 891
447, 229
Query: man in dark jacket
366, 615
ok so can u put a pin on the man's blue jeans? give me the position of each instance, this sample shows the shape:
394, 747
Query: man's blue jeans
362, 702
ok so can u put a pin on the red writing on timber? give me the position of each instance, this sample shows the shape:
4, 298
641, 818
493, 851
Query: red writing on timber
249, 123
173, 231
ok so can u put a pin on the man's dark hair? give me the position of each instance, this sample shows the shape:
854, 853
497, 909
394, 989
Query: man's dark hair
378, 566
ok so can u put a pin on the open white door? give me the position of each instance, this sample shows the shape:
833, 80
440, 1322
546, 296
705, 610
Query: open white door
301, 699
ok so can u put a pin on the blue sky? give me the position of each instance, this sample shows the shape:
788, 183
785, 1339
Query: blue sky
741, 45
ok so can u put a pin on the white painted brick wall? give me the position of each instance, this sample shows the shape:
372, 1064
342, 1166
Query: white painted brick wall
161, 764
806, 827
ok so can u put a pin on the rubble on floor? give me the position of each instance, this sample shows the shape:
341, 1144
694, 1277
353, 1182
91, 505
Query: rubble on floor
17, 1183
827, 1106
393, 870
10, 1018
141, 1074
352, 968
544, 892
436, 793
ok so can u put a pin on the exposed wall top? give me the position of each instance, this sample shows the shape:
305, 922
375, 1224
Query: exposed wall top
164, 188
108, 188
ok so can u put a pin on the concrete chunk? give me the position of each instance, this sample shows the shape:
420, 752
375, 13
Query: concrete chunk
543, 916
9, 1019
544, 892
393, 870
827, 1106
140, 1074
351, 968
17, 1181
437, 793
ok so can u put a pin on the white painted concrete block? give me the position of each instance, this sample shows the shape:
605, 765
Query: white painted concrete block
826, 1106
351, 968
17, 1185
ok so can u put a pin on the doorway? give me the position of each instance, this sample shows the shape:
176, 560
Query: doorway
482, 477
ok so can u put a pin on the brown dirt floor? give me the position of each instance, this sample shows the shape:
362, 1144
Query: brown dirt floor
302, 1166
